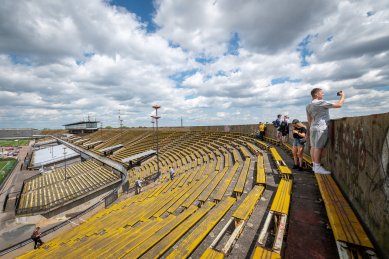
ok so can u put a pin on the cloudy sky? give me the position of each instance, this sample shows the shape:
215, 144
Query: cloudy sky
210, 62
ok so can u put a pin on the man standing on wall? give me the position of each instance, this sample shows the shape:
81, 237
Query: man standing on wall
318, 119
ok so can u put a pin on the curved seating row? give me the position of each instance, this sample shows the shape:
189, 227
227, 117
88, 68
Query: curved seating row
150, 223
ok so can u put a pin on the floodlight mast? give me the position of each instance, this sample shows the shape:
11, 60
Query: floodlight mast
156, 117
64, 157
152, 121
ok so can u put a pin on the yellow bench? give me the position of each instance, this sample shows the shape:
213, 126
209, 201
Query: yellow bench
205, 194
262, 253
247, 206
226, 182
193, 240
194, 186
275, 154
281, 200
192, 198
212, 254
244, 151
238, 190
252, 148
236, 155
159, 235
272, 140
282, 167
344, 223
278, 213
168, 241
261, 144
261, 176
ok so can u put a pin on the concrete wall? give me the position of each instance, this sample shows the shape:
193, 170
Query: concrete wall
358, 155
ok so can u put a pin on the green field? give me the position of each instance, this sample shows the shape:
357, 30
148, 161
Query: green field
13, 143
5, 168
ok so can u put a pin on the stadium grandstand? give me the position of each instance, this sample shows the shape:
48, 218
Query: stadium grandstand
9, 133
81, 127
231, 195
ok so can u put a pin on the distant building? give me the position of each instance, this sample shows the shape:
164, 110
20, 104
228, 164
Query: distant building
18, 133
82, 127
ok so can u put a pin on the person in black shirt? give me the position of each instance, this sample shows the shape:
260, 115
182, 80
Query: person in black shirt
36, 237
299, 133
284, 130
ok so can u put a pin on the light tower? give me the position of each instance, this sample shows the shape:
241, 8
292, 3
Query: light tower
120, 122
156, 117
64, 157
152, 121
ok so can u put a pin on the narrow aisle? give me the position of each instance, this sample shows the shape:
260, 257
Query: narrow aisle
307, 233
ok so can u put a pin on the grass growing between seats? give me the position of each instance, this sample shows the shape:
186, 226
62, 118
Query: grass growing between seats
6, 167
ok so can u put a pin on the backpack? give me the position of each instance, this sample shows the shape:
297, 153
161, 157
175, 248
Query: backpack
283, 127
276, 123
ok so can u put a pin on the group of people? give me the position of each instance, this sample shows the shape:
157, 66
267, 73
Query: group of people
138, 183
317, 130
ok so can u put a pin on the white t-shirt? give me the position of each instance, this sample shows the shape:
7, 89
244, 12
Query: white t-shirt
318, 110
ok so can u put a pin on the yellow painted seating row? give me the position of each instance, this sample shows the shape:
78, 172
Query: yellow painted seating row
344, 223
239, 187
281, 201
193, 240
247, 206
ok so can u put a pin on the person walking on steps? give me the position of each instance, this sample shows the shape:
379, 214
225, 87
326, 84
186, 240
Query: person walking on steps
299, 133
318, 119
36, 237
171, 173
284, 130
138, 186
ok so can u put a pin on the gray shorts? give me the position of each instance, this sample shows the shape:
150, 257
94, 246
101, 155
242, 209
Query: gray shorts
318, 138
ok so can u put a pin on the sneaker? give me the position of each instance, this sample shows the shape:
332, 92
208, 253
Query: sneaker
295, 167
320, 170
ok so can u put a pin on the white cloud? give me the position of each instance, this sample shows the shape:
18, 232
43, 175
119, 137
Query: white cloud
72, 58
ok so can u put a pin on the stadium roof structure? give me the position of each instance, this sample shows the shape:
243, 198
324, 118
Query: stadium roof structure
80, 122
82, 126
137, 156
51, 155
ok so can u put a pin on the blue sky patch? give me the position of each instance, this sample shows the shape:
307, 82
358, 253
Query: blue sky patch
284, 79
89, 54
220, 73
303, 48
233, 45
142, 8
370, 13
181, 76
17, 59
205, 60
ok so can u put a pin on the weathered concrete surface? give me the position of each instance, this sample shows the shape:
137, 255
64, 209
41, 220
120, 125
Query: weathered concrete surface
358, 156
307, 234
